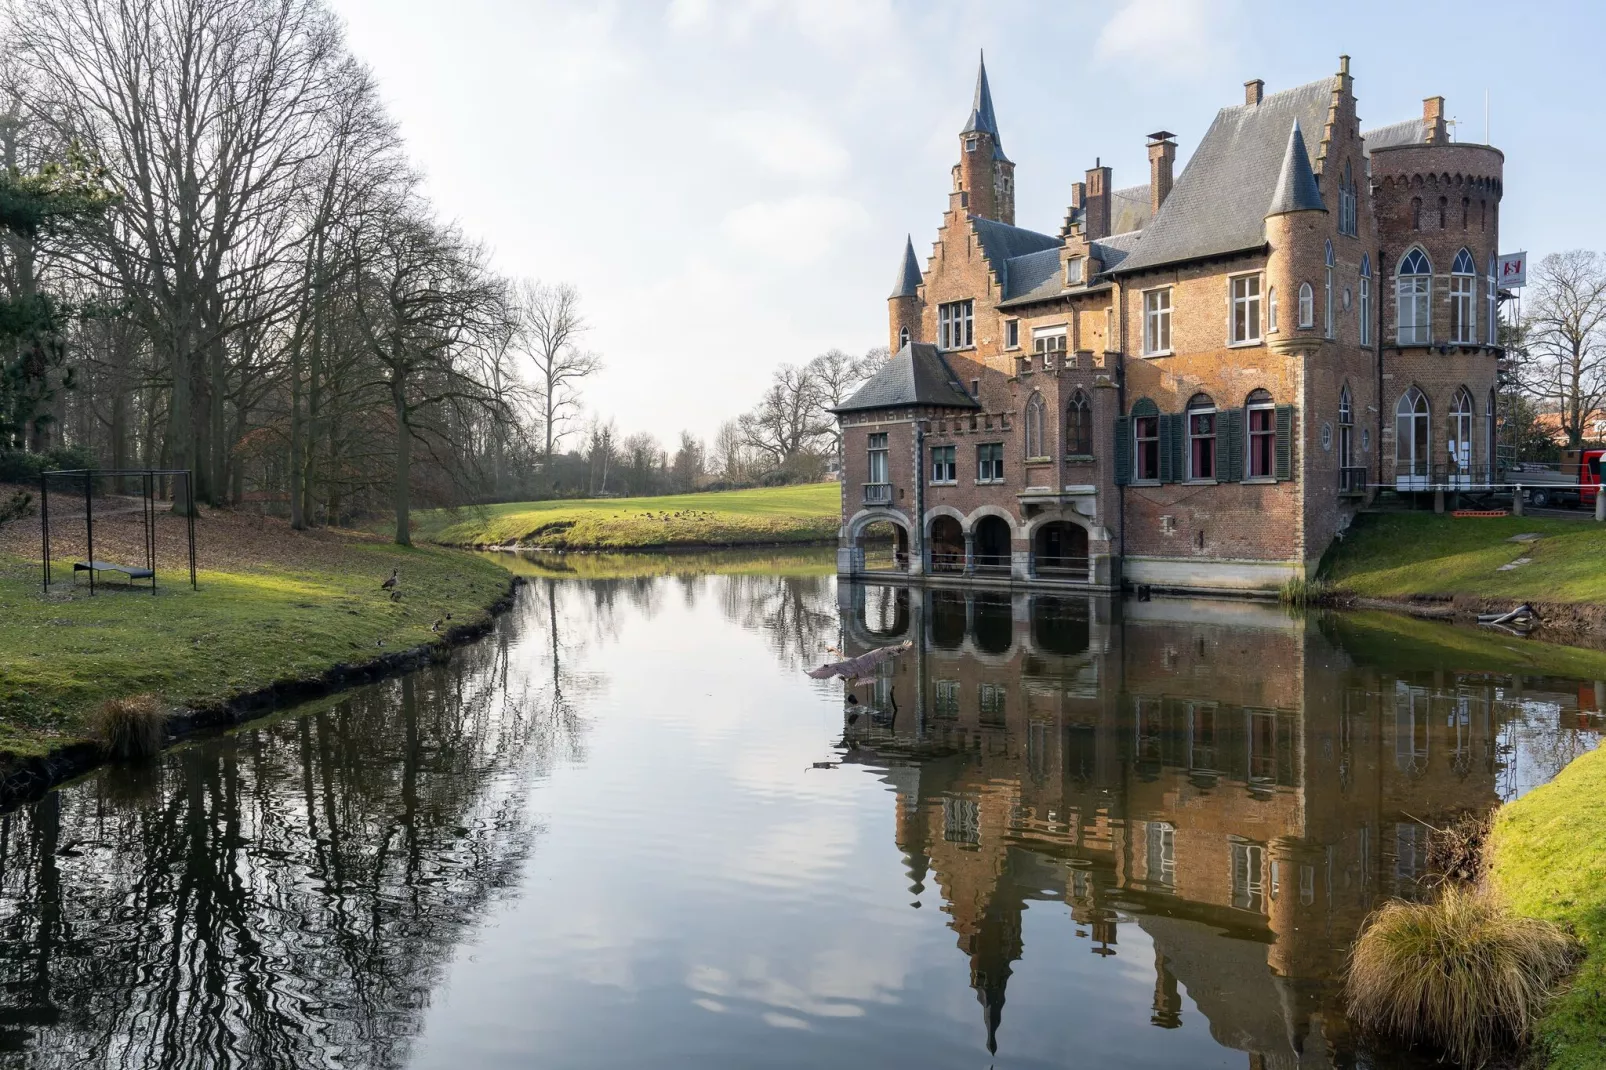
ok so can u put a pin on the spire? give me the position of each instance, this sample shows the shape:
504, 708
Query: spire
1296, 183
908, 273
982, 120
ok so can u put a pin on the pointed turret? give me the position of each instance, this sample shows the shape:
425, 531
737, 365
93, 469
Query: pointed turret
982, 120
1296, 183
908, 273
984, 178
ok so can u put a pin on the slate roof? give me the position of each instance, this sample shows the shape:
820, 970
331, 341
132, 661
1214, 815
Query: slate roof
908, 272
1002, 244
1296, 183
1115, 248
1130, 209
1409, 132
1218, 204
917, 374
982, 120
1033, 275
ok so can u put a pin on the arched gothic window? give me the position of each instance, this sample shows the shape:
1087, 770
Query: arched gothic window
1366, 301
1271, 309
1459, 446
1346, 429
1034, 427
1412, 441
1327, 311
1491, 316
1307, 305
1463, 313
1079, 426
1413, 293
1201, 438
903, 337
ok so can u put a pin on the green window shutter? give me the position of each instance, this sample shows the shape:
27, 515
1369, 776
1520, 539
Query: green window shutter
1123, 450
1171, 470
1179, 446
1285, 442
1231, 446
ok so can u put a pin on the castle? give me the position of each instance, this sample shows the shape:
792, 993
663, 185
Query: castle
1196, 382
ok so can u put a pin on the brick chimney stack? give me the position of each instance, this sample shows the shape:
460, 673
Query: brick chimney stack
1433, 125
1098, 202
1254, 89
1162, 156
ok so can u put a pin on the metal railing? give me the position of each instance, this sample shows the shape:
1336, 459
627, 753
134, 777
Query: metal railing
1352, 480
877, 493
991, 562
1060, 566
944, 562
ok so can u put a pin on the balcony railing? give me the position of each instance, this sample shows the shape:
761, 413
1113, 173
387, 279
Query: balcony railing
991, 562
945, 561
877, 493
1352, 481
1412, 475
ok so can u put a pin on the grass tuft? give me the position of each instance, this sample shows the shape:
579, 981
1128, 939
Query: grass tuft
1463, 973
1301, 593
131, 727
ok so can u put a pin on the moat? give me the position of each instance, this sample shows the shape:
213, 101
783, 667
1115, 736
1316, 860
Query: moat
626, 829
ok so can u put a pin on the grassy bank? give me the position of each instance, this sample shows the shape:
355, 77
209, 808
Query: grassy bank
728, 518
803, 561
1397, 641
273, 605
1396, 555
1549, 857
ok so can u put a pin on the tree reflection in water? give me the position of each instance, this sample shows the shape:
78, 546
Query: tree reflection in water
285, 895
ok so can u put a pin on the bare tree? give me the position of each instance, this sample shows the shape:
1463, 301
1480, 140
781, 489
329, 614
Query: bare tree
1564, 363
551, 330
836, 376
788, 423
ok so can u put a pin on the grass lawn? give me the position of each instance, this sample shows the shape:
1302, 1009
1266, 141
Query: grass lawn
1549, 857
1401, 554
727, 518
273, 605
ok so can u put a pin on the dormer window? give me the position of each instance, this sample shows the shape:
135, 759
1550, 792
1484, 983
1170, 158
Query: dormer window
971, 143
1073, 271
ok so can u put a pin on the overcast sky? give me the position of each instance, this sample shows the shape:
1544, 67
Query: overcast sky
729, 182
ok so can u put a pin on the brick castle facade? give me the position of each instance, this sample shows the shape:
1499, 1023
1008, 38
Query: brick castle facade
1193, 383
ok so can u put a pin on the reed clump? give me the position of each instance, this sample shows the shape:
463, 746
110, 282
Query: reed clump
1463, 973
1301, 593
130, 727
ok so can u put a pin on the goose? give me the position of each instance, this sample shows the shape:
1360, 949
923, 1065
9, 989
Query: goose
390, 584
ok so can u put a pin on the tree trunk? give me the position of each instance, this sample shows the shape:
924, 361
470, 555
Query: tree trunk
180, 444
404, 459
217, 423
298, 516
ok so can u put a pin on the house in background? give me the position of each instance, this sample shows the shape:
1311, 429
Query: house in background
1193, 382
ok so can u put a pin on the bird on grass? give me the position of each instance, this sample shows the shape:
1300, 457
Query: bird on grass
390, 584
395, 594
436, 626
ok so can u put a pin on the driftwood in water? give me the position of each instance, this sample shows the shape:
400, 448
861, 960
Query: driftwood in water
1521, 617
853, 668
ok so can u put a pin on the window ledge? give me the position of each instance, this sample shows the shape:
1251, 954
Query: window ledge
1161, 353
1200, 482
1258, 481
1248, 343
989, 482
959, 349
1081, 458
1039, 460
1146, 483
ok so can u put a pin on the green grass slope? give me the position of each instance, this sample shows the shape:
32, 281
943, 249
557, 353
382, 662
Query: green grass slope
727, 518
1548, 854
1395, 555
248, 626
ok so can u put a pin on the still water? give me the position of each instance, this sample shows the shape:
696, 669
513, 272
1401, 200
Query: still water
627, 830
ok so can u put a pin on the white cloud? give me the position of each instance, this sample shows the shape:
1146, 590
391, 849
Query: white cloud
792, 145
1168, 36
796, 230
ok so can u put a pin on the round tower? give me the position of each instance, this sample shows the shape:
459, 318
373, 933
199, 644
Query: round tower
904, 304
1296, 226
984, 174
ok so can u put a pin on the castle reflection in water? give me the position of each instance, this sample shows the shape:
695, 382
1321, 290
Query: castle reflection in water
1234, 781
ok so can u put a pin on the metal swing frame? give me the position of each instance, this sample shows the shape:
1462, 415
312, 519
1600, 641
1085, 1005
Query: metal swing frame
148, 482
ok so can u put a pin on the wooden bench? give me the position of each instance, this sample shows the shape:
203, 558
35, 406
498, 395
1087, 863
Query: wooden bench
133, 572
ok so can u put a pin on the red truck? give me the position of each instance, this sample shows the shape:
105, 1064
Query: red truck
1574, 483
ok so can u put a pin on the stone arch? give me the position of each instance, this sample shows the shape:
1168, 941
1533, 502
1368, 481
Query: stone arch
865, 517
992, 510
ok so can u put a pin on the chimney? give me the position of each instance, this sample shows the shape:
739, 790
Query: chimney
1433, 121
1098, 202
1254, 89
1162, 154
1078, 200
